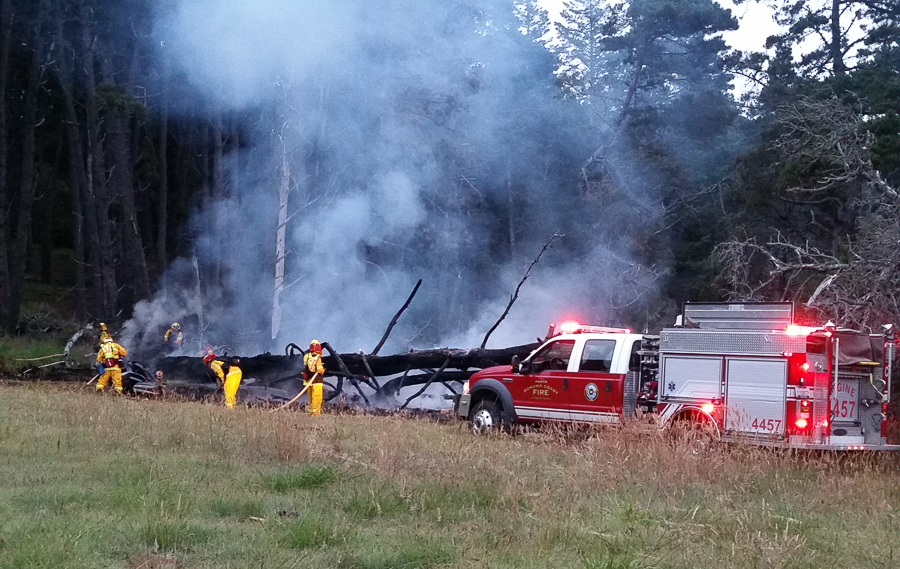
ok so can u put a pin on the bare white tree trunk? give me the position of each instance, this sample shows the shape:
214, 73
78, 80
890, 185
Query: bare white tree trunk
280, 239
198, 303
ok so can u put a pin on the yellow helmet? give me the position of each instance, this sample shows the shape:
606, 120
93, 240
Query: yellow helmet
315, 347
103, 325
176, 325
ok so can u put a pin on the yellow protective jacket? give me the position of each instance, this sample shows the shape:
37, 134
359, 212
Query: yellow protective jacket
109, 355
230, 381
313, 364
216, 366
179, 336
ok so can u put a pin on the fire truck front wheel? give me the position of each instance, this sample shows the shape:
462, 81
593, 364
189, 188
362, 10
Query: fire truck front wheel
486, 417
697, 436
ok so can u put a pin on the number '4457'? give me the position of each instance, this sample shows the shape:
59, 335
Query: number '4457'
770, 425
843, 408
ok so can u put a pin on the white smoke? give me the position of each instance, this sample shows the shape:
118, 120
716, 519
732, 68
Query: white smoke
370, 102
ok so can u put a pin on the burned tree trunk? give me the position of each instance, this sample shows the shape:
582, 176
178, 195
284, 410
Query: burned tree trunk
279, 378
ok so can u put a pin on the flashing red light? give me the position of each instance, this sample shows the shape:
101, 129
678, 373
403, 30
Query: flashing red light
708, 408
801, 423
804, 403
798, 330
804, 366
569, 327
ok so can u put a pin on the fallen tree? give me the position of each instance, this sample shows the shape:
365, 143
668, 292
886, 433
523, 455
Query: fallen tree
376, 380
278, 378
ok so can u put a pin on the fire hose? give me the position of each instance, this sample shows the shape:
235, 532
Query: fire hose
302, 391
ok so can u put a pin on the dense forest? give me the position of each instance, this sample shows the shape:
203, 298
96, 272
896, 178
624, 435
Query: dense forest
272, 171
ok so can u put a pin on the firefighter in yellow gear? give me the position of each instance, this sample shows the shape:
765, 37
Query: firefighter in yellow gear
314, 373
229, 374
175, 332
104, 332
110, 357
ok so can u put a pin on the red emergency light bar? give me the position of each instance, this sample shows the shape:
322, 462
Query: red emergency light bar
798, 330
572, 327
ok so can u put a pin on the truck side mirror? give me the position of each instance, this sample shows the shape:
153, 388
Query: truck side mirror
515, 364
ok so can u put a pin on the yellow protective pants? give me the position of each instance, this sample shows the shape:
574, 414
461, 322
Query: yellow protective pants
232, 383
116, 375
315, 398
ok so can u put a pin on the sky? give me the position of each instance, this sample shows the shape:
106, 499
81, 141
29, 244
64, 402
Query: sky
756, 23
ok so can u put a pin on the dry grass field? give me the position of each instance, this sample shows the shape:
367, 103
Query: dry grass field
106, 481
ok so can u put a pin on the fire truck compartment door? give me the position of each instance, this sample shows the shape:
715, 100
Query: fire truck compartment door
755, 395
691, 377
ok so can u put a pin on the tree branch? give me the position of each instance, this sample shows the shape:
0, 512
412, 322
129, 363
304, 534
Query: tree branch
515, 295
396, 317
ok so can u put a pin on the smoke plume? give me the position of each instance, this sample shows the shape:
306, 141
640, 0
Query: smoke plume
410, 130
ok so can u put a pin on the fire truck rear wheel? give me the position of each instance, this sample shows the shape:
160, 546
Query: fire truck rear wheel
486, 417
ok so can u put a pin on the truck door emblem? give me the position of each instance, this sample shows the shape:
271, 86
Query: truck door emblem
591, 391
671, 386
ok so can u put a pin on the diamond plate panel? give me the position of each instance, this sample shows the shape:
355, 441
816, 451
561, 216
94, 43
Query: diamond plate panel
630, 389
740, 315
737, 342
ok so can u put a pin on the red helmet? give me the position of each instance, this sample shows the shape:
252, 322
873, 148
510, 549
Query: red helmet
315, 347
209, 357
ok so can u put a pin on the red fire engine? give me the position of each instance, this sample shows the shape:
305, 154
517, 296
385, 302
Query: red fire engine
740, 371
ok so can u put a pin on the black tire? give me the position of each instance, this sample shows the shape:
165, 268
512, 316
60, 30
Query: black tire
697, 436
486, 418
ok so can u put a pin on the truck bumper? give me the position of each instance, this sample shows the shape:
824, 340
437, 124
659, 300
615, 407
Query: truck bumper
461, 404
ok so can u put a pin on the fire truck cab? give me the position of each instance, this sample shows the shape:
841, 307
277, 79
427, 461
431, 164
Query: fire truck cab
742, 371
583, 374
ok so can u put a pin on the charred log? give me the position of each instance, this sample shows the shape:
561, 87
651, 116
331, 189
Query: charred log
278, 378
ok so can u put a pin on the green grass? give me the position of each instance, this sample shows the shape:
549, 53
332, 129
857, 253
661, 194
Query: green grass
20, 354
238, 508
102, 481
415, 554
306, 477
310, 532
46, 322
160, 532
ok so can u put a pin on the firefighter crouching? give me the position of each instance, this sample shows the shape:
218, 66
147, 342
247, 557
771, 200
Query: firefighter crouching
110, 356
314, 373
229, 374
